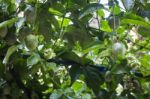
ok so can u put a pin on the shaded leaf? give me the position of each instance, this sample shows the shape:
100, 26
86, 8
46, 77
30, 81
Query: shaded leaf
70, 56
43, 23
93, 78
145, 32
90, 9
56, 94
33, 59
74, 35
74, 72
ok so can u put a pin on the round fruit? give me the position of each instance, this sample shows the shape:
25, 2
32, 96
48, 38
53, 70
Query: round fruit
3, 32
114, 22
31, 42
118, 49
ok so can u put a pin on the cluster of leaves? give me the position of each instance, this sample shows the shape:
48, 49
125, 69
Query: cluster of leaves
71, 49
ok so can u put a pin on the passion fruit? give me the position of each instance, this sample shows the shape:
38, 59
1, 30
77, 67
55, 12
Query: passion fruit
31, 42
118, 50
114, 22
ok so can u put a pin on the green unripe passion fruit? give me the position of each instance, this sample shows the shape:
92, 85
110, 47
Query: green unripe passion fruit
3, 32
114, 22
31, 42
118, 49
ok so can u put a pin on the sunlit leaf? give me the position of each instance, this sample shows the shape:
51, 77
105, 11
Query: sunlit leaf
8, 23
104, 26
101, 13
145, 68
79, 86
55, 12
135, 22
116, 10
10, 51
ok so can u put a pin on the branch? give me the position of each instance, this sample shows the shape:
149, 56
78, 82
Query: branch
101, 68
20, 83
59, 61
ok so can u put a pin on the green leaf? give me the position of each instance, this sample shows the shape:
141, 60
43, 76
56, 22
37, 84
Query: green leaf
43, 23
8, 23
93, 78
116, 10
135, 22
101, 13
90, 9
78, 86
120, 30
105, 53
121, 67
56, 94
66, 22
119, 70
74, 72
74, 35
94, 47
133, 16
86, 96
105, 26
10, 51
145, 32
33, 59
55, 22
70, 56
55, 12
145, 68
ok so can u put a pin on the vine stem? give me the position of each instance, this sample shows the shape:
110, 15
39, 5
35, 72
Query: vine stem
114, 23
61, 34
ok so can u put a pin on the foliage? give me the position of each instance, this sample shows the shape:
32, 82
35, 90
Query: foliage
53, 49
